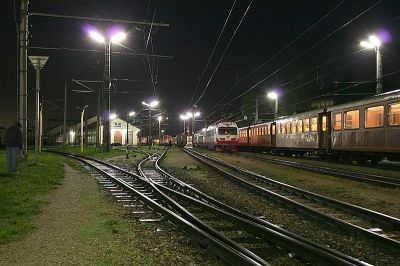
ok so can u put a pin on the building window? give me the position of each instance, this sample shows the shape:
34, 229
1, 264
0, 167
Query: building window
352, 119
323, 123
394, 114
374, 117
294, 126
306, 124
314, 124
338, 121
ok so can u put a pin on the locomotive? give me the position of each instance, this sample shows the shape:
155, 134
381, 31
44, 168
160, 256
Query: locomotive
221, 137
367, 129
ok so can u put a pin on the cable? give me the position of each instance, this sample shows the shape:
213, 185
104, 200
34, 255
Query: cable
223, 54
212, 53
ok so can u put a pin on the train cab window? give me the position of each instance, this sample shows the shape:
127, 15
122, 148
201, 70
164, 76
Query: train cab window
306, 124
394, 114
288, 127
352, 119
300, 126
273, 129
374, 117
294, 126
323, 124
314, 124
337, 124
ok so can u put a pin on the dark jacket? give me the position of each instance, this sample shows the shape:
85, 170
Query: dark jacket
13, 137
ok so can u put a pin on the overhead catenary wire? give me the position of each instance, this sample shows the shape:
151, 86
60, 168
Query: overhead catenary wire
212, 52
223, 54
305, 51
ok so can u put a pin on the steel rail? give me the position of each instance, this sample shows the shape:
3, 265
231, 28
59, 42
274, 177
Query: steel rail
223, 247
305, 248
369, 214
364, 177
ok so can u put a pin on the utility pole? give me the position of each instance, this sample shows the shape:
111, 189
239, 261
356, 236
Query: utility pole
38, 62
98, 125
41, 126
65, 116
379, 83
256, 116
149, 128
23, 74
106, 97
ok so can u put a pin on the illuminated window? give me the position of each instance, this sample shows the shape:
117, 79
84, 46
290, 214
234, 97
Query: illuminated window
268, 130
323, 126
374, 117
282, 128
288, 127
306, 124
352, 119
337, 124
294, 126
300, 126
273, 130
314, 124
394, 114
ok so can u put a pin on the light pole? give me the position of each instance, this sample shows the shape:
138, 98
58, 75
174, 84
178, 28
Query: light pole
374, 43
130, 114
82, 115
274, 96
38, 63
149, 106
195, 114
113, 37
183, 118
159, 118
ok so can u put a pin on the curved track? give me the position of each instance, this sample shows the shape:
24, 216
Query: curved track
383, 228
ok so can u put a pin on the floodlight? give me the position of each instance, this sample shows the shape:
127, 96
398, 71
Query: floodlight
97, 36
272, 95
118, 37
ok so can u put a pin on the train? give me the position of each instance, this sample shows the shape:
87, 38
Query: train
367, 129
221, 137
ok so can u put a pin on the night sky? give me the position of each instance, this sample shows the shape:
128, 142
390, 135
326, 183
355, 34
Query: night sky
194, 28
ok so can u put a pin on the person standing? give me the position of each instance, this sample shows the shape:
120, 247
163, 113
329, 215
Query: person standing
13, 143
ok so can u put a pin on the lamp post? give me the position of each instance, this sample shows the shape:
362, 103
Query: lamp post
374, 43
274, 96
183, 118
149, 106
38, 63
159, 118
130, 114
195, 114
82, 116
113, 37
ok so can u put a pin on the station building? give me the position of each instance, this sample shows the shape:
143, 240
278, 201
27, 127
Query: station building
117, 133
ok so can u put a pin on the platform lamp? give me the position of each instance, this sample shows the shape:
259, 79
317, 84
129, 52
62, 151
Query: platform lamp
374, 42
274, 96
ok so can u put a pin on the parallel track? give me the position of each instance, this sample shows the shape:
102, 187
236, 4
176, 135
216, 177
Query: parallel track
378, 226
363, 177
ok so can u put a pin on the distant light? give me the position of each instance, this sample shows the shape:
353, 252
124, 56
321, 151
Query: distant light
118, 37
183, 117
72, 132
197, 114
144, 103
203, 129
272, 95
112, 116
96, 36
159, 118
131, 114
189, 114
162, 130
154, 103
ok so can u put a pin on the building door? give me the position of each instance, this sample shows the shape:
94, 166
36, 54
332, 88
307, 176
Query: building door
118, 137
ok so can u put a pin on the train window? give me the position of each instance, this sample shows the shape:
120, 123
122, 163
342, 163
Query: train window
306, 124
273, 130
268, 130
394, 114
300, 126
314, 123
288, 127
352, 119
282, 128
374, 117
294, 126
337, 124
323, 123
265, 131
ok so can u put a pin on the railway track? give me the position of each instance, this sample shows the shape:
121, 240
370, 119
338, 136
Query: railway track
374, 225
363, 177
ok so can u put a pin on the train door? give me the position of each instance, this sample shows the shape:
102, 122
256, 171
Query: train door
324, 131
273, 135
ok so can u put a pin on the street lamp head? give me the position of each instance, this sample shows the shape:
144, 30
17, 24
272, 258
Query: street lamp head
131, 114
366, 44
183, 117
118, 37
189, 114
154, 103
272, 95
112, 116
95, 35
146, 104
159, 118
197, 114
373, 42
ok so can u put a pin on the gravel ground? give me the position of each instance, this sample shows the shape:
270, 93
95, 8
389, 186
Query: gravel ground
80, 226
217, 186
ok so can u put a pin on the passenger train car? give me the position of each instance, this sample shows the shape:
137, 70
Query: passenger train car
368, 128
221, 137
